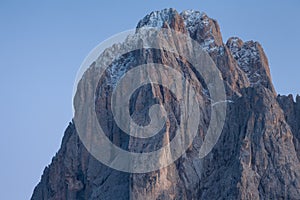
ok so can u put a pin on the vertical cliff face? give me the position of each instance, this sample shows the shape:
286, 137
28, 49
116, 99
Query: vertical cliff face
291, 111
256, 157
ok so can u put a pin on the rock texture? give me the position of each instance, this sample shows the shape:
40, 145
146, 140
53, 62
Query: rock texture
256, 157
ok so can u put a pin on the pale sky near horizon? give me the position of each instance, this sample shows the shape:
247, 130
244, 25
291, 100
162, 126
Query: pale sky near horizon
43, 45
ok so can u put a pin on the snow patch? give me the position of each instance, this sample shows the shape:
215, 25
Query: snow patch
246, 55
226, 101
156, 19
193, 19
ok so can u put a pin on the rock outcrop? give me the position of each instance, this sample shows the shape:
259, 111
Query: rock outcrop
256, 157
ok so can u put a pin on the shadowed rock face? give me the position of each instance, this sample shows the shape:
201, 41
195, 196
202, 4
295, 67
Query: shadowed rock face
256, 157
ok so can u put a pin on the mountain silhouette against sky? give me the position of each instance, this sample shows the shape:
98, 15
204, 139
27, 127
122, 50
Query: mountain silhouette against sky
255, 157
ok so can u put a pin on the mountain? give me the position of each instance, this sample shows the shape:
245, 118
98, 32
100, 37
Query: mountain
255, 157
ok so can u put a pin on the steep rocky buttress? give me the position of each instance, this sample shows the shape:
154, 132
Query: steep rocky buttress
256, 157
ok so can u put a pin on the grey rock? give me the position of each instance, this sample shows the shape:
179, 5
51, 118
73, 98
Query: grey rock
256, 157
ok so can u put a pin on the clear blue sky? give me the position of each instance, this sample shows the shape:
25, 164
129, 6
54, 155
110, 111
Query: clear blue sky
43, 44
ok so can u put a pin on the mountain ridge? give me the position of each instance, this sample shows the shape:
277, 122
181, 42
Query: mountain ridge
252, 159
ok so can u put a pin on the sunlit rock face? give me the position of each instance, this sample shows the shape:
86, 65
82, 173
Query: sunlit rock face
256, 157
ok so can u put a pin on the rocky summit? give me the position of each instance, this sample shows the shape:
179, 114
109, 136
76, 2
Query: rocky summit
256, 156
